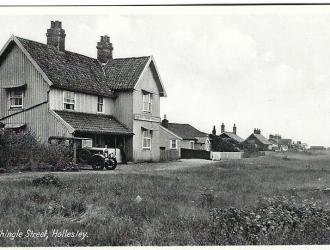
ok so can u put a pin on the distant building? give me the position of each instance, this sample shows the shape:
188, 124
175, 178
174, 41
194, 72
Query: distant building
317, 148
233, 135
191, 138
259, 140
279, 143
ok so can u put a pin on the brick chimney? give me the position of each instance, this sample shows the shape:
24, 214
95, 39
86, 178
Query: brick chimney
214, 131
222, 128
104, 50
165, 122
234, 129
56, 35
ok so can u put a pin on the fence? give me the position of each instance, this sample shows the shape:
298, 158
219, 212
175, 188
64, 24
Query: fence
217, 156
193, 154
169, 155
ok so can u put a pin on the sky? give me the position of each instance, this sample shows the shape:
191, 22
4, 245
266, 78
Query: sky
257, 67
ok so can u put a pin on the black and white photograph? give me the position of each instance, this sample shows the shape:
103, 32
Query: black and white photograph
173, 125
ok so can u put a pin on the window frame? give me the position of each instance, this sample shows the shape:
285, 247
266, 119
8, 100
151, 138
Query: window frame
146, 138
11, 97
176, 144
147, 101
192, 143
67, 102
100, 104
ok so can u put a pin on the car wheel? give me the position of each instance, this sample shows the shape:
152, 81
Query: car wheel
112, 164
97, 163
84, 156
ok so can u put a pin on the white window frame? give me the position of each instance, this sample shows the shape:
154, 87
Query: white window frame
69, 101
193, 144
100, 104
146, 136
147, 99
176, 144
15, 96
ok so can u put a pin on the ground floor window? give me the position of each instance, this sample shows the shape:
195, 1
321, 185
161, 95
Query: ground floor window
146, 139
173, 144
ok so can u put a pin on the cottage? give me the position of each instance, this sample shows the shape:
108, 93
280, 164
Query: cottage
55, 92
232, 135
259, 140
191, 138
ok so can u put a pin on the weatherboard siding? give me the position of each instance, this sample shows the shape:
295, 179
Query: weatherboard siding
40, 122
16, 69
123, 108
83, 102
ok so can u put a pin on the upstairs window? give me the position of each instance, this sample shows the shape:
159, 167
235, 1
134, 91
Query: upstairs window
173, 144
147, 102
16, 99
146, 139
69, 100
100, 104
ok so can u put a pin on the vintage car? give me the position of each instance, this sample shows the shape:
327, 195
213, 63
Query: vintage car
84, 153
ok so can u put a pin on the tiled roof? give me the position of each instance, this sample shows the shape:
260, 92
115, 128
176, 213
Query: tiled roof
93, 123
186, 131
262, 139
77, 72
233, 136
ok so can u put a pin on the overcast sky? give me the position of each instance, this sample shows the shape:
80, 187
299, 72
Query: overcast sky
258, 67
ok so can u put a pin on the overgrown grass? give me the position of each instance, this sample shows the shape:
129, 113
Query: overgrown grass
219, 203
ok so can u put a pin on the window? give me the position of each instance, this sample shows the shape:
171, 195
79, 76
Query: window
16, 99
100, 104
147, 102
192, 144
69, 100
146, 139
173, 144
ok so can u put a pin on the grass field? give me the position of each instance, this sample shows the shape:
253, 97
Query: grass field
178, 205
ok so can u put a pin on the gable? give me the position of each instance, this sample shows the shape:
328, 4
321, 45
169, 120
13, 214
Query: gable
150, 80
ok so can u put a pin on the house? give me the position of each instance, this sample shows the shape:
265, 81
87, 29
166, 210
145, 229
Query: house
190, 137
169, 144
259, 140
279, 143
233, 135
55, 92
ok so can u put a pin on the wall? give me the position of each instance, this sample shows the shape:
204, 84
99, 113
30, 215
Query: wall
84, 102
123, 108
164, 140
41, 122
147, 83
16, 69
217, 156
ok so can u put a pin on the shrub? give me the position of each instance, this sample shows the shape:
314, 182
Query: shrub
22, 149
219, 144
47, 180
276, 220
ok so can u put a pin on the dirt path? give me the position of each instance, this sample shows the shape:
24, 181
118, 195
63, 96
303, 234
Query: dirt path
130, 168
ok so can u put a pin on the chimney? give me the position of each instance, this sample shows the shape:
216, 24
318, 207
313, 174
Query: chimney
165, 122
214, 132
104, 50
255, 131
222, 128
234, 129
56, 35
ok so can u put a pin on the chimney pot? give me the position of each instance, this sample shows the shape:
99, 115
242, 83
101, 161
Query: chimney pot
104, 49
165, 122
56, 35
222, 128
234, 129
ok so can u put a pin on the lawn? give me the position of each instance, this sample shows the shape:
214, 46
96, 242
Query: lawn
275, 199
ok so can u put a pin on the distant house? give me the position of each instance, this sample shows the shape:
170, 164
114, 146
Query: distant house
259, 140
191, 138
233, 135
169, 144
317, 148
280, 143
